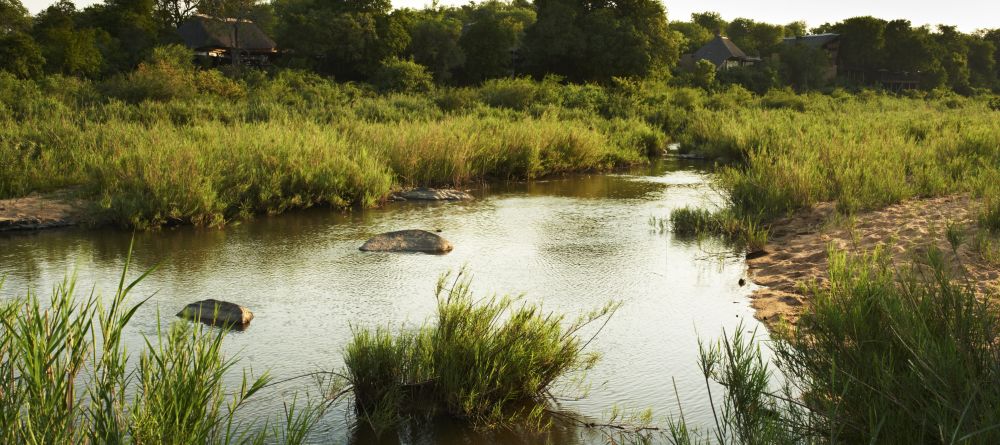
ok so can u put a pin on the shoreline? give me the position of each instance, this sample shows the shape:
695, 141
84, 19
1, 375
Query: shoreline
63, 208
38, 211
798, 246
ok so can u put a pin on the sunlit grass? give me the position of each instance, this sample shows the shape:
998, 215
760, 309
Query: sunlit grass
493, 363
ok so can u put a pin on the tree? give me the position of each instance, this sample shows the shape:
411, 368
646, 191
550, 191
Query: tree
695, 35
171, 13
20, 56
126, 31
594, 41
347, 39
803, 67
13, 17
993, 36
434, 42
712, 21
862, 42
982, 65
955, 58
754, 37
795, 29
67, 48
493, 37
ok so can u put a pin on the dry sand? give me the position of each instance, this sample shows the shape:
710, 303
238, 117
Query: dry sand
37, 211
797, 249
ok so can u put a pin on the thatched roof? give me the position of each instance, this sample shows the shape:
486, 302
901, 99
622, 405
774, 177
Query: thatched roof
202, 32
815, 41
719, 50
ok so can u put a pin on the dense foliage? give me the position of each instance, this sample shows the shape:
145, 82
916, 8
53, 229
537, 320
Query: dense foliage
578, 40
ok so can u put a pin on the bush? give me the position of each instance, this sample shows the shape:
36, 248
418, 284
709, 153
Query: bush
522, 93
492, 363
167, 75
994, 103
786, 98
405, 76
455, 99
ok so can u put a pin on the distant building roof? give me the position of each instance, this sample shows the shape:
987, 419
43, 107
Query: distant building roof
201, 32
719, 50
815, 40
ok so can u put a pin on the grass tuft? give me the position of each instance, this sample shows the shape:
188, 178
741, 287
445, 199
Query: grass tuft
493, 363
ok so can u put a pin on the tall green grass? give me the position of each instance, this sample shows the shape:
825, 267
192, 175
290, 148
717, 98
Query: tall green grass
492, 363
884, 355
694, 222
65, 378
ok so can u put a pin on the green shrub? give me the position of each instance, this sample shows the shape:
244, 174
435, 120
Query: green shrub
517, 94
405, 76
455, 99
777, 99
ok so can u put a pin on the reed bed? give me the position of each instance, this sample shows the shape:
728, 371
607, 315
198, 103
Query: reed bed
65, 378
492, 363
884, 355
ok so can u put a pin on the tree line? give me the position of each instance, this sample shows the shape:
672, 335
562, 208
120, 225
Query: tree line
577, 40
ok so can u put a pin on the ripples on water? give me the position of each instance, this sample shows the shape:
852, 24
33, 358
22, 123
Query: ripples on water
572, 244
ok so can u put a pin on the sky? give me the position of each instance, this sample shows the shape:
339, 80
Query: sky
968, 15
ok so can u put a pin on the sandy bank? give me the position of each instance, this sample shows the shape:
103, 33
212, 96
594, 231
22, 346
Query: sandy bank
38, 211
798, 248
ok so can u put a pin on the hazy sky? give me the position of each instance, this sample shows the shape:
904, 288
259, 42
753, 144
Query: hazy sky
968, 15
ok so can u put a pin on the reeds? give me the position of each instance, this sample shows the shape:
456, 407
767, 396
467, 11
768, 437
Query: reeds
746, 232
883, 355
65, 378
492, 363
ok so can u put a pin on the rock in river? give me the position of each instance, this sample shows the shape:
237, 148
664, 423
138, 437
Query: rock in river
407, 241
428, 194
215, 312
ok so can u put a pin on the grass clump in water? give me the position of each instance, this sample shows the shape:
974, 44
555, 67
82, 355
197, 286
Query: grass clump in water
697, 222
492, 363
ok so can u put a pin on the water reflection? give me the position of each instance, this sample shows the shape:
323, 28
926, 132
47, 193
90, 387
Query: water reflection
571, 244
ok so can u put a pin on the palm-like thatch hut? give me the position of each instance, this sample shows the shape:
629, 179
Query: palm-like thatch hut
224, 41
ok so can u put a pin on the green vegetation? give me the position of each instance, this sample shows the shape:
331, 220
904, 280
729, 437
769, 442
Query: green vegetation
694, 222
863, 152
493, 363
65, 378
882, 356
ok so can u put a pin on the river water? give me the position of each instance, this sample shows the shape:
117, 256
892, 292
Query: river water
572, 244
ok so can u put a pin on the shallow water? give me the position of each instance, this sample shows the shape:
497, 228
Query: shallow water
572, 244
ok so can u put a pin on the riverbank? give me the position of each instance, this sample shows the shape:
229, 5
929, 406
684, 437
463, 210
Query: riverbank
41, 211
798, 248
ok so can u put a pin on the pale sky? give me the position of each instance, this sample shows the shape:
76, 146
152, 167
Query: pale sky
968, 15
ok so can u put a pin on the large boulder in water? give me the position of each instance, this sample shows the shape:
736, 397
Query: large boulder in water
429, 194
219, 313
407, 241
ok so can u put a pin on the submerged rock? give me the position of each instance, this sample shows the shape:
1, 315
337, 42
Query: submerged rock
407, 241
215, 312
429, 194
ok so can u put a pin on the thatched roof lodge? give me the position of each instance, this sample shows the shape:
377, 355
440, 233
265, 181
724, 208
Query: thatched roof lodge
722, 52
219, 39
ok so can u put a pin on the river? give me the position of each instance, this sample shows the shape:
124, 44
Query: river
570, 243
